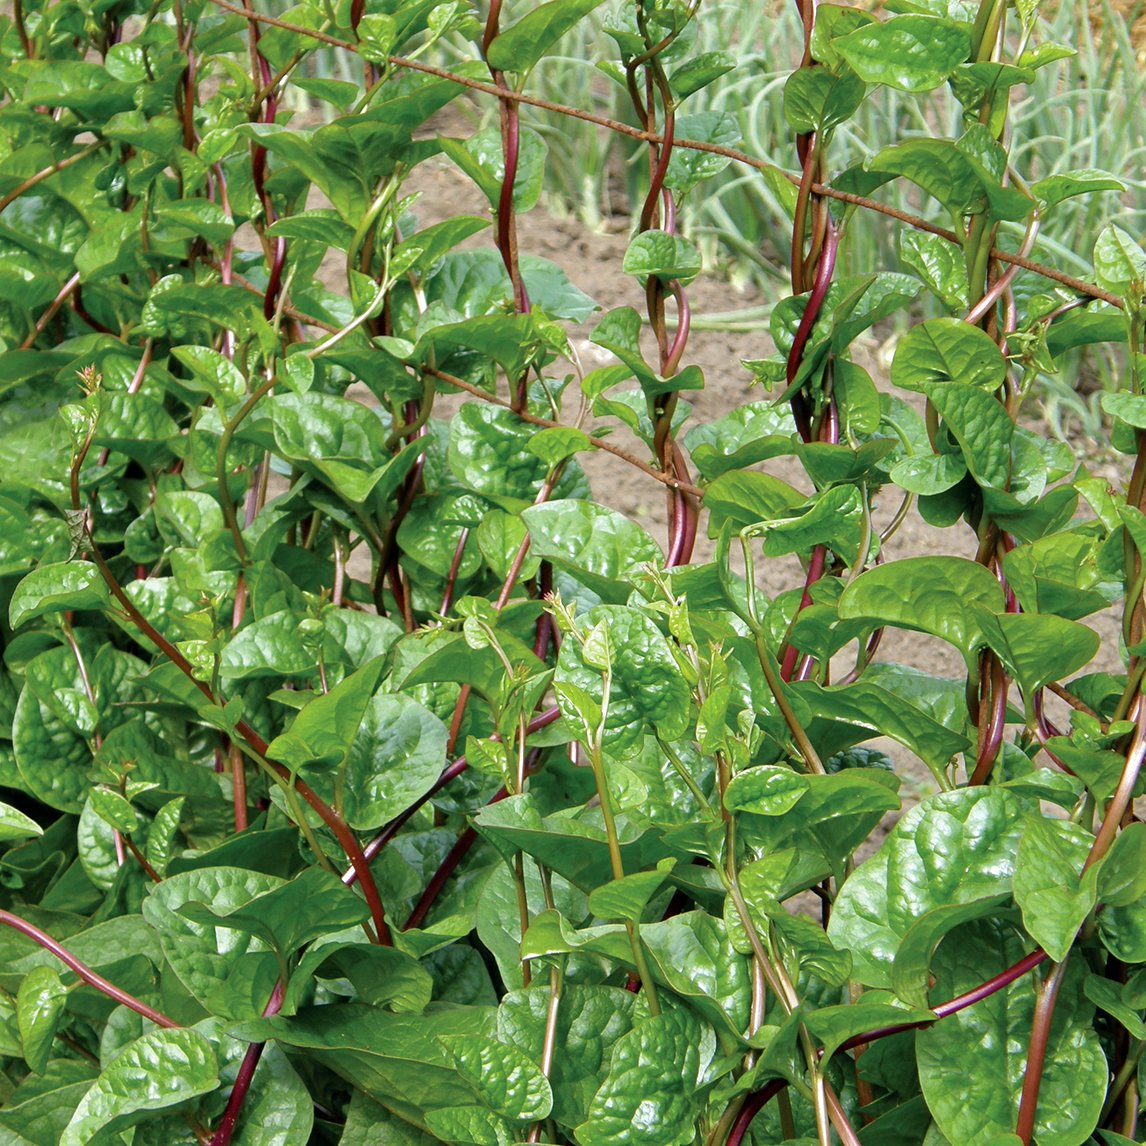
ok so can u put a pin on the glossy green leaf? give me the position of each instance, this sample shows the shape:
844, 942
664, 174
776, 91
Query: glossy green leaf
572, 842
399, 1060
648, 691
650, 1093
972, 1072
522, 44
619, 332
817, 100
1123, 931
598, 546
14, 825
664, 256
202, 956
163, 1069
1108, 996
56, 588
688, 168
1039, 649
867, 705
914, 53
1048, 889
691, 954
936, 166
767, 791
1122, 874
627, 897
323, 732
590, 1020
911, 972
947, 350
936, 595
874, 1009
954, 848
699, 71
316, 902
40, 1108
504, 1076
1067, 184
748, 498
1119, 262
939, 264
39, 1009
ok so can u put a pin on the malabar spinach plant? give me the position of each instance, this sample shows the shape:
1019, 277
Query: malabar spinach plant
367, 779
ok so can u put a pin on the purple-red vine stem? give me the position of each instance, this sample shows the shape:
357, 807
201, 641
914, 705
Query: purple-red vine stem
92, 978
225, 1131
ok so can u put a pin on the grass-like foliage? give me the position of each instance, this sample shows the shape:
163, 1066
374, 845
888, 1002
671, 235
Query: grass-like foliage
365, 779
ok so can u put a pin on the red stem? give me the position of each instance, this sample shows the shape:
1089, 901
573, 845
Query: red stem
243, 1079
84, 971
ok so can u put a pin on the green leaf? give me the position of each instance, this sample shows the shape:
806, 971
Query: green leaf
1123, 931
1037, 650
954, 848
504, 1076
161, 1070
590, 1020
972, 1077
748, 498
595, 544
316, 902
1109, 997
938, 167
912, 53
648, 690
42, 1105
833, 1026
1119, 263
489, 452
1066, 184
768, 790
324, 730
1122, 874
687, 167
398, 1060
869, 706
947, 350
650, 1093
666, 257
751, 433
1053, 899
39, 1008
929, 473
382, 976
627, 898
573, 843
939, 264
936, 595
521, 45
55, 589
691, 954
398, 752
620, 332
699, 71
815, 99
14, 825
202, 956
911, 972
